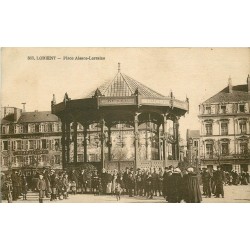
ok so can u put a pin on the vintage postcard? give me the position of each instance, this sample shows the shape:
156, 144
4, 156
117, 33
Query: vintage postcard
127, 125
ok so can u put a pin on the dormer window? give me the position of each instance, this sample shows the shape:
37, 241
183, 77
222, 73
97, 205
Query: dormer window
208, 110
223, 109
242, 108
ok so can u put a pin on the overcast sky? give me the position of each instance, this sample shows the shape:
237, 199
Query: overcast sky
197, 73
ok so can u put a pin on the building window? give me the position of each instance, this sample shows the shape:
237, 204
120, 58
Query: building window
209, 150
18, 145
16, 129
57, 159
25, 128
44, 144
50, 127
224, 128
19, 159
196, 144
224, 149
242, 108
4, 130
208, 127
5, 145
20, 129
223, 109
57, 144
243, 148
80, 157
31, 128
37, 128
208, 110
243, 127
31, 160
5, 161
32, 144
41, 128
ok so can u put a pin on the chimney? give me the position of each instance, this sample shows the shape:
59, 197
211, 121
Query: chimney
17, 114
230, 88
248, 83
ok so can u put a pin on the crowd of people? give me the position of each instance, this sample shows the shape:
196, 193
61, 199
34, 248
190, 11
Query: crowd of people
213, 181
171, 183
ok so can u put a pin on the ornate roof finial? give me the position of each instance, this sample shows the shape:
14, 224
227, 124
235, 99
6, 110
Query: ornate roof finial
119, 67
230, 88
97, 93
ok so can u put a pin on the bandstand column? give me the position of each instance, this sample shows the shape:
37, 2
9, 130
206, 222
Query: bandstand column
102, 123
63, 145
159, 141
109, 143
67, 142
75, 143
136, 133
165, 136
85, 143
177, 139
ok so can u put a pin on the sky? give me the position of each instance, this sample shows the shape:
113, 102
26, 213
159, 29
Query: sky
196, 73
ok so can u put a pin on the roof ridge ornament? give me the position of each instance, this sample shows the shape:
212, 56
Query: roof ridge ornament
137, 92
119, 67
230, 88
98, 93
66, 98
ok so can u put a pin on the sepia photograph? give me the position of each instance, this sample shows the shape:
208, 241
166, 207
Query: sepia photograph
125, 125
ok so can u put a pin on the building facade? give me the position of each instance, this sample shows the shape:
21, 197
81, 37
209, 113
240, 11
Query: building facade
194, 147
30, 140
225, 128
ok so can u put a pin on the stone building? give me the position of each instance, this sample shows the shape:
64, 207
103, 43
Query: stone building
30, 140
225, 128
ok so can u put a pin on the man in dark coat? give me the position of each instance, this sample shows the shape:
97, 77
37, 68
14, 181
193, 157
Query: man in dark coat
41, 187
125, 179
130, 184
219, 179
83, 181
74, 177
191, 187
104, 180
154, 182
164, 183
206, 180
15, 185
53, 185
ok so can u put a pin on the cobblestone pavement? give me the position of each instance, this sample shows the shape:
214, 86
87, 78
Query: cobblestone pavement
233, 194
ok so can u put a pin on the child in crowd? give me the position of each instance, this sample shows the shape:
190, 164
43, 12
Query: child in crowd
73, 187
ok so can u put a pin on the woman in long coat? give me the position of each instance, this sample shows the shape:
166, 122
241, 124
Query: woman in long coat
174, 192
191, 187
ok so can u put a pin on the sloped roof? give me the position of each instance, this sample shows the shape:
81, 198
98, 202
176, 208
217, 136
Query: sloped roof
239, 93
37, 116
123, 85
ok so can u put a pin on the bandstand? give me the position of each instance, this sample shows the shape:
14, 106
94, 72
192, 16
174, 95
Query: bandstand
122, 101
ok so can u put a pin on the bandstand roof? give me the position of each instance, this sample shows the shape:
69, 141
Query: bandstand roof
122, 95
123, 85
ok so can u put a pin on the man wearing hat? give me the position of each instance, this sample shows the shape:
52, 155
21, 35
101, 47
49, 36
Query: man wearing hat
219, 179
53, 185
41, 187
125, 179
